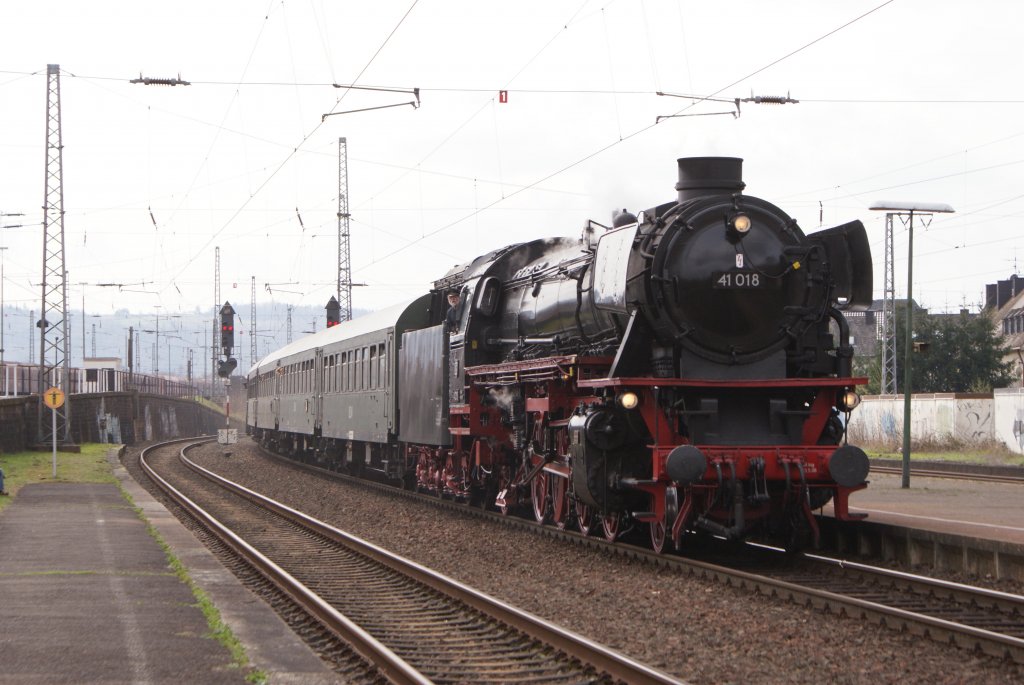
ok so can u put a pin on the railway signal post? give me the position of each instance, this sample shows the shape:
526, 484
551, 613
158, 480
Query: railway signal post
225, 367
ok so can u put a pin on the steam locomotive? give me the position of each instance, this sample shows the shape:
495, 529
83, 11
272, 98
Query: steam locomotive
687, 369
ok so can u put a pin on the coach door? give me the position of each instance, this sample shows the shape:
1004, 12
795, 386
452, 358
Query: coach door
387, 367
318, 390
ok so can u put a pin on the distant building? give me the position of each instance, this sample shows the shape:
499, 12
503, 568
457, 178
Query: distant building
102, 363
998, 294
1005, 300
866, 326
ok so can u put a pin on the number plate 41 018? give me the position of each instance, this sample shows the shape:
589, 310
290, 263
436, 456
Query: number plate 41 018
741, 280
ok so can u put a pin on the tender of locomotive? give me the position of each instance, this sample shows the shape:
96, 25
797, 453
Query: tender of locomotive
687, 369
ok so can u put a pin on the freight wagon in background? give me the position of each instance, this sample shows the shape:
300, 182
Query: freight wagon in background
99, 375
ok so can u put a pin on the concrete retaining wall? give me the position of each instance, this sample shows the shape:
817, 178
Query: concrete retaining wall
116, 418
968, 419
1009, 417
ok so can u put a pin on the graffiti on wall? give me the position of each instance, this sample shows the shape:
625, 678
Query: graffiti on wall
974, 420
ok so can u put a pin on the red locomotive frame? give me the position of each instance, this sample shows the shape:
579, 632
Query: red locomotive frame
555, 387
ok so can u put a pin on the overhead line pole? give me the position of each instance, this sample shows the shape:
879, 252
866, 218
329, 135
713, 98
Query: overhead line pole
889, 316
214, 353
53, 322
252, 326
906, 211
344, 253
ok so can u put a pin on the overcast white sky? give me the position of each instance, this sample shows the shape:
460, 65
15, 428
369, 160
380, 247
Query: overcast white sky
905, 100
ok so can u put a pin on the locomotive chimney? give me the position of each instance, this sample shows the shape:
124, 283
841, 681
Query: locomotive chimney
709, 176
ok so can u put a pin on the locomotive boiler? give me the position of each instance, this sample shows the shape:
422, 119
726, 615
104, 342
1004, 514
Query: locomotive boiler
686, 369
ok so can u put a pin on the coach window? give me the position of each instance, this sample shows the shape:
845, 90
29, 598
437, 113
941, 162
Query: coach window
348, 371
353, 367
366, 369
373, 367
382, 378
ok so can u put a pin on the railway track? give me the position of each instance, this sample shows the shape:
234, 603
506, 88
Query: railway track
413, 625
970, 617
953, 471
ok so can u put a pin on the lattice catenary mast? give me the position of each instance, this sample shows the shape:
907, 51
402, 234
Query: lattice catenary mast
252, 326
889, 317
214, 351
53, 321
344, 254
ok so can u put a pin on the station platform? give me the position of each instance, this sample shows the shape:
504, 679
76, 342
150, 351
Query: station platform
87, 595
990, 511
966, 527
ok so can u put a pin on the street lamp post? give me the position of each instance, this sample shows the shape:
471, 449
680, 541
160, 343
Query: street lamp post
908, 210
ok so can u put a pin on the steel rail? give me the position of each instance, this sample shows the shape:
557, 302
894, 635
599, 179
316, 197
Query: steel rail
955, 475
393, 667
969, 637
605, 660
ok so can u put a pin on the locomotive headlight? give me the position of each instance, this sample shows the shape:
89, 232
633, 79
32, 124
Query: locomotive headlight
741, 223
628, 400
848, 400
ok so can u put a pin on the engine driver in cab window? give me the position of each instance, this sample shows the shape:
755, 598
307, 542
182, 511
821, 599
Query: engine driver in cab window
451, 320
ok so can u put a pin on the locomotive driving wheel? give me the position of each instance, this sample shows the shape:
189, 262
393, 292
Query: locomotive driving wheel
539, 492
658, 536
559, 501
611, 524
584, 518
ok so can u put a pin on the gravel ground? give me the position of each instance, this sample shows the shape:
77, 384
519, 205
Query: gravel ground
696, 630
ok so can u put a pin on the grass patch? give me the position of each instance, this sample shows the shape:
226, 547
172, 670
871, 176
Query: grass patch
994, 454
91, 466
23, 468
219, 630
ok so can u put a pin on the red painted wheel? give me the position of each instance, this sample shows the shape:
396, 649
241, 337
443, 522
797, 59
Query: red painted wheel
657, 536
610, 524
559, 501
503, 492
539, 491
584, 518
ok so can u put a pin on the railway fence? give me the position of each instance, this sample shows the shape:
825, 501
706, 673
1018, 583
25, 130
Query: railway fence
107, 406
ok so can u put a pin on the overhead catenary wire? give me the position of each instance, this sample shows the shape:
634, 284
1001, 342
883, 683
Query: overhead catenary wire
633, 134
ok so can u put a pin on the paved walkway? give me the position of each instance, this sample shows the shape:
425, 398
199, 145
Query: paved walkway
993, 511
87, 596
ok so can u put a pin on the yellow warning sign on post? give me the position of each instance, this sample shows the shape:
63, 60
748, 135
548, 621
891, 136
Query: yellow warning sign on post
54, 398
